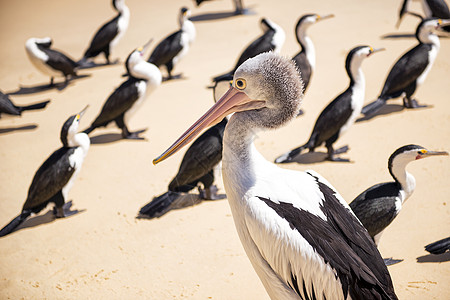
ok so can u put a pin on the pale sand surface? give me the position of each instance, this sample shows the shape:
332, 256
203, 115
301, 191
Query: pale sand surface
195, 253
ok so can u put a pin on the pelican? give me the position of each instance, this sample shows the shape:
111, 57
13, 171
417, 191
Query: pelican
298, 232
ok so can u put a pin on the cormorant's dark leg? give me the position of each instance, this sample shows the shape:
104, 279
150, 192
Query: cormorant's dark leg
210, 191
169, 67
408, 101
332, 153
106, 52
126, 134
51, 82
61, 208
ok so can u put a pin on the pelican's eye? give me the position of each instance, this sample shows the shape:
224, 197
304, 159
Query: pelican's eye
240, 83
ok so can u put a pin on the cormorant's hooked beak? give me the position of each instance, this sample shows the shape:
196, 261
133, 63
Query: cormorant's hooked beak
321, 18
232, 101
443, 22
426, 153
81, 113
374, 50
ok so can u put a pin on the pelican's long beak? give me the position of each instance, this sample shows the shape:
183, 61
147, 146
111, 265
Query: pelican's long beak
320, 18
232, 101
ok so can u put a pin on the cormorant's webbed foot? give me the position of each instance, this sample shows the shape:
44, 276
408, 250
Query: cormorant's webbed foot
64, 211
390, 261
171, 77
133, 135
300, 112
332, 154
341, 150
412, 103
210, 193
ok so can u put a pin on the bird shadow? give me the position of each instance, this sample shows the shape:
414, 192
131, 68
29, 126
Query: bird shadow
181, 202
434, 258
26, 90
94, 65
106, 138
385, 110
19, 128
398, 36
312, 158
211, 16
174, 77
48, 217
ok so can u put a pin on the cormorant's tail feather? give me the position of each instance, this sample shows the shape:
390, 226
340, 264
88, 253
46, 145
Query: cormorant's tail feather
289, 156
159, 205
15, 223
374, 107
439, 247
39, 105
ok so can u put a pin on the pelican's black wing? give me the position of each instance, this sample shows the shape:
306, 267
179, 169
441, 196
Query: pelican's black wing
50, 178
166, 50
375, 207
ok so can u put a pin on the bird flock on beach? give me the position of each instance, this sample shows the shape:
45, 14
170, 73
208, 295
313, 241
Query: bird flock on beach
302, 238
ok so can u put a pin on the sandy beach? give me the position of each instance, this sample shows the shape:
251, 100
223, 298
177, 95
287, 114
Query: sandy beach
104, 252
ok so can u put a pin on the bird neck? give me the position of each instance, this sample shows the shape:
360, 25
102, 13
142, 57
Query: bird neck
188, 27
34, 51
307, 46
429, 38
356, 74
406, 180
148, 72
80, 139
122, 8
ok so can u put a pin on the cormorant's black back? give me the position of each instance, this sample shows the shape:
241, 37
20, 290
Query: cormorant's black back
201, 157
59, 61
379, 201
49, 179
167, 49
304, 67
118, 102
406, 71
260, 45
102, 38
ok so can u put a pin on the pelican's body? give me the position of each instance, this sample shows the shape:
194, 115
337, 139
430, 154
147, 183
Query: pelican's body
120, 106
411, 70
56, 175
297, 231
378, 206
107, 37
271, 40
48, 61
8, 107
175, 46
341, 113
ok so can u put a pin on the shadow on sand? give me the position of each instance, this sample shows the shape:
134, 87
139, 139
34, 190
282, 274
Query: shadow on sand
434, 258
19, 128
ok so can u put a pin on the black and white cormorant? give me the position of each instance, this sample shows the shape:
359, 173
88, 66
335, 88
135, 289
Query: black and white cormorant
439, 247
8, 107
411, 69
272, 39
49, 61
300, 235
197, 167
56, 176
306, 58
143, 78
109, 34
175, 46
341, 113
431, 8
378, 206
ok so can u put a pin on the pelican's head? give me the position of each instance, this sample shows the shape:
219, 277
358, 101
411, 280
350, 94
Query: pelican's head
266, 90
70, 128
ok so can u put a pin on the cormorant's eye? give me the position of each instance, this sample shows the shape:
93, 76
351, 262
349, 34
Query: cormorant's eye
240, 83
422, 151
